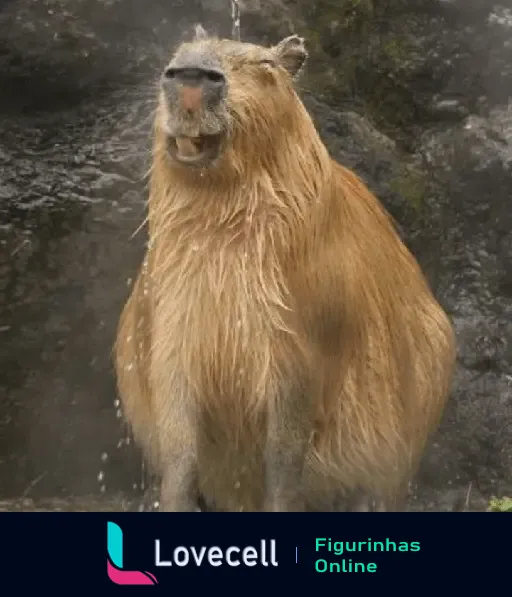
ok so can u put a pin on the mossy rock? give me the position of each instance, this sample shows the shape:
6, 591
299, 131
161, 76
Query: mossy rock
410, 182
500, 505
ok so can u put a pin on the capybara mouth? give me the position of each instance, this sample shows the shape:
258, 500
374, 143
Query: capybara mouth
198, 151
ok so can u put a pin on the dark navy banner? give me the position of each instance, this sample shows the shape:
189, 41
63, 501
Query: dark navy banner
401, 552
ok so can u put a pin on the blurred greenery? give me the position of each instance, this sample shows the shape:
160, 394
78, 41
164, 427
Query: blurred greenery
500, 505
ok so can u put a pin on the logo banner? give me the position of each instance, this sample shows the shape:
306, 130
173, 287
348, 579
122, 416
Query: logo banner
344, 551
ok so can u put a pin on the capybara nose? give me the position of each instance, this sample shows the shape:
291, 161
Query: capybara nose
195, 87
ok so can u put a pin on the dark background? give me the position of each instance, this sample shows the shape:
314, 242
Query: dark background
413, 95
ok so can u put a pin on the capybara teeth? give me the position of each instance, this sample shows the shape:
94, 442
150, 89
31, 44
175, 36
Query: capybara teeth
188, 147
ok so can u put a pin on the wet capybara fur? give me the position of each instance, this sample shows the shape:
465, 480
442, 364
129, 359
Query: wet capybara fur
281, 349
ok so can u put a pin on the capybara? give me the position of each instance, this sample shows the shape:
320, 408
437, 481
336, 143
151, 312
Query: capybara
281, 349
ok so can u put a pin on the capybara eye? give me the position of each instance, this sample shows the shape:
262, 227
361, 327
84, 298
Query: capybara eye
214, 76
268, 62
170, 73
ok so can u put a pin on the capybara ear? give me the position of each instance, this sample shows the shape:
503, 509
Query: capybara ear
200, 32
291, 54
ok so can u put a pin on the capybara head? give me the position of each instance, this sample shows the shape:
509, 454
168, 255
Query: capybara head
220, 96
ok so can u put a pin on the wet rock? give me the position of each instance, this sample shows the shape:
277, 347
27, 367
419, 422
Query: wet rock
93, 45
475, 145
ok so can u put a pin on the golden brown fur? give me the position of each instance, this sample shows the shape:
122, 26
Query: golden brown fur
271, 274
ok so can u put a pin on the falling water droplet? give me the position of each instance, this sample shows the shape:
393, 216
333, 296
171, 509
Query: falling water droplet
156, 505
103, 488
142, 481
104, 457
127, 441
101, 476
116, 403
119, 414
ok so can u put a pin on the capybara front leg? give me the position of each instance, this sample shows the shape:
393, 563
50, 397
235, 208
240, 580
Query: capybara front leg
178, 491
287, 443
177, 435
